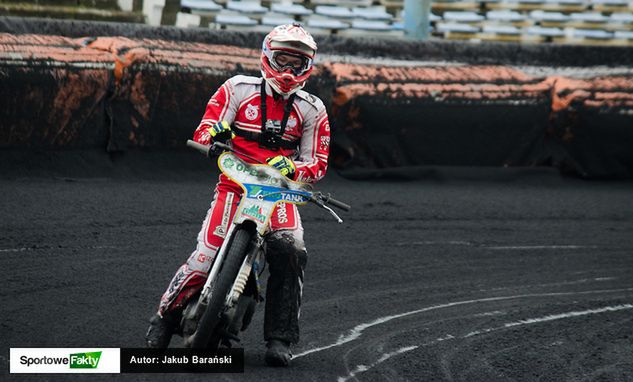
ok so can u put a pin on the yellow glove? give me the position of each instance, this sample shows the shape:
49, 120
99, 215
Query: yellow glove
221, 132
284, 165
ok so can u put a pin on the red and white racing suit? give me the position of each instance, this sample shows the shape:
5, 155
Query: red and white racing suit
238, 102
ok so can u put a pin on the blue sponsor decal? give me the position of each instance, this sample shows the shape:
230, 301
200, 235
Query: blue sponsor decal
275, 194
294, 197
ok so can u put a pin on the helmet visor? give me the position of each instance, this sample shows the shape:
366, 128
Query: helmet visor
283, 61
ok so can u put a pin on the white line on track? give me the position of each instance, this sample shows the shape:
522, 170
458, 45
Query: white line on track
431, 242
357, 331
490, 314
73, 247
551, 317
532, 247
561, 316
55, 248
14, 249
573, 282
496, 247
530, 321
363, 368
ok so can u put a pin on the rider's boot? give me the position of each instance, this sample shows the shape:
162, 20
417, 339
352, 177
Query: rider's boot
278, 353
287, 258
160, 330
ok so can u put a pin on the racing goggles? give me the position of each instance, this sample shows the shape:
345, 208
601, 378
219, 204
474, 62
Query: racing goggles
297, 63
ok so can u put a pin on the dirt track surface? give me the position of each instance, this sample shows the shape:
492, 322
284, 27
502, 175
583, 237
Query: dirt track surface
524, 279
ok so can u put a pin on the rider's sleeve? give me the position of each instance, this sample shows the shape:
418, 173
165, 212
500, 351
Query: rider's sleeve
221, 107
315, 146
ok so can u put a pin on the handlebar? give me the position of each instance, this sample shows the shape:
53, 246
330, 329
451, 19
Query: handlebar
204, 149
217, 147
336, 203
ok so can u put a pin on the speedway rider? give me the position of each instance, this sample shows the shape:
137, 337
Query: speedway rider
273, 120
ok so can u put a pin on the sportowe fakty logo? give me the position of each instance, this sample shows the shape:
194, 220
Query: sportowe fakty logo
89, 360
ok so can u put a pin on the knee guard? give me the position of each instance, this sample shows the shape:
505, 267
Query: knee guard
283, 248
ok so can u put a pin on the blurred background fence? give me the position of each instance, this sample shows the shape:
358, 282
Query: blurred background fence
560, 101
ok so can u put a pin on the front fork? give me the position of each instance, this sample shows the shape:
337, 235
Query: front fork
250, 269
205, 295
245, 293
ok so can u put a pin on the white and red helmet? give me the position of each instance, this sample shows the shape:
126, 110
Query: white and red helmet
289, 40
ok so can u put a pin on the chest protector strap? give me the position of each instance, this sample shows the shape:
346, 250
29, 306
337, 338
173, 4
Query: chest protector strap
272, 131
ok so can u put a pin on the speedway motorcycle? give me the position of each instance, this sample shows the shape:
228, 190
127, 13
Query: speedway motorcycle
228, 299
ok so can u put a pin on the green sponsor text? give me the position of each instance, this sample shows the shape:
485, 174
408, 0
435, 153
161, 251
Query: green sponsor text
85, 360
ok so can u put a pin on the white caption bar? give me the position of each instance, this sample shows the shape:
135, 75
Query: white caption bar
64, 360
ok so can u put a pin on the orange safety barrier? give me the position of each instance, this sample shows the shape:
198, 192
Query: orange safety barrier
121, 92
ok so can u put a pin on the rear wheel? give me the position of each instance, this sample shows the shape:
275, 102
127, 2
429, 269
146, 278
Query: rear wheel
210, 323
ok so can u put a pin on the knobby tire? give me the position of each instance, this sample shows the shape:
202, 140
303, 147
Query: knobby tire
226, 277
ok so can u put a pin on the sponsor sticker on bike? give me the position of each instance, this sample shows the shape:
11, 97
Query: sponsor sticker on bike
240, 171
274, 194
293, 197
255, 191
255, 212
220, 231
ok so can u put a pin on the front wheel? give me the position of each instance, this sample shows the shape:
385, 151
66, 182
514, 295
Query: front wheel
210, 322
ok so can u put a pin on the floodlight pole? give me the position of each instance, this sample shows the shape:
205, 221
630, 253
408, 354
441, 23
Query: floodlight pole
416, 18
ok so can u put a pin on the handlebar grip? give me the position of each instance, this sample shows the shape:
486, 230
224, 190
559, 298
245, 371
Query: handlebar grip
204, 149
222, 146
338, 204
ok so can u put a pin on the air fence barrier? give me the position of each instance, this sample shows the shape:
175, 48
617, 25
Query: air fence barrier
394, 104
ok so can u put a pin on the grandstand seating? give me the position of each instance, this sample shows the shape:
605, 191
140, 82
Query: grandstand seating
343, 3
544, 33
371, 28
457, 31
561, 21
623, 35
247, 7
325, 26
230, 20
611, 5
508, 17
97, 10
296, 10
200, 6
454, 5
500, 33
463, 17
588, 20
274, 19
606, 22
333, 11
153, 11
372, 13
547, 5
549, 19
187, 20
